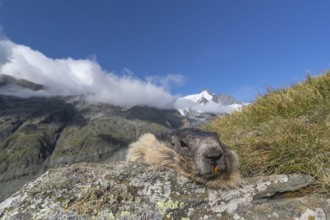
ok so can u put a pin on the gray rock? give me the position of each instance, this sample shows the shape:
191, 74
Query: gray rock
125, 190
296, 181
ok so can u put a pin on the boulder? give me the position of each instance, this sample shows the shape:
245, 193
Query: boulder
123, 190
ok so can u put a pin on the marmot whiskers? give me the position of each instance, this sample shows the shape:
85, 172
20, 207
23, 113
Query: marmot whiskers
194, 153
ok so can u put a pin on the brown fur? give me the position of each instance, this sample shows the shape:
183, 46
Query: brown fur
154, 150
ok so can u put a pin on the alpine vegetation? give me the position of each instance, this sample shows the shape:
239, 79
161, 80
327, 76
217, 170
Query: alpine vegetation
283, 131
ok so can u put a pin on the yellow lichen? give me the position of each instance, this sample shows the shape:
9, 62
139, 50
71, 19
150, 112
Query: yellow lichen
125, 214
166, 207
112, 216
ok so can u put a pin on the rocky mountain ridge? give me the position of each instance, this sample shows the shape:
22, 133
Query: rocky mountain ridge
7, 81
39, 133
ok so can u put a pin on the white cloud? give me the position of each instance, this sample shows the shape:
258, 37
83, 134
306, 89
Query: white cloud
84, 76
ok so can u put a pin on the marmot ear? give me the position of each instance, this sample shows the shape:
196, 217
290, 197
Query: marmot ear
175, 139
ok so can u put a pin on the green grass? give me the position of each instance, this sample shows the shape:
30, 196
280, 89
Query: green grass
284, 131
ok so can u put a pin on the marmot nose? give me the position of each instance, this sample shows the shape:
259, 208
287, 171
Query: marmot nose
213, 158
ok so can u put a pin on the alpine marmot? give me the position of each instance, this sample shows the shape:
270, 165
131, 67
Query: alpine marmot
194, 153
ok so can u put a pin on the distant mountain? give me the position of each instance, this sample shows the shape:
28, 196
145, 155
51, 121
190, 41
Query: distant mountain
7, 81
203, 102
204, 106
206, 102
196, 109
39, 133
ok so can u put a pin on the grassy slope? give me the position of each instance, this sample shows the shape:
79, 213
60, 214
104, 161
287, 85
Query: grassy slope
284, 131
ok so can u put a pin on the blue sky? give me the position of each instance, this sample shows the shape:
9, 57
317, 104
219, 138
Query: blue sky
236, 47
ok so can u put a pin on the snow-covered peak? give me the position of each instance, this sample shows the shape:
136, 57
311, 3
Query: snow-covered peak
202, 97
206, 102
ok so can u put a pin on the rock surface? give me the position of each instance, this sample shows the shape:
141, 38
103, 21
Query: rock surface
123, 190
40, 133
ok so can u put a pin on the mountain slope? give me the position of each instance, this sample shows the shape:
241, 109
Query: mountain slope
40, 133
284, 131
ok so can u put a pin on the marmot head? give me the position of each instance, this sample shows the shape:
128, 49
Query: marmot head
192, 152
201, 152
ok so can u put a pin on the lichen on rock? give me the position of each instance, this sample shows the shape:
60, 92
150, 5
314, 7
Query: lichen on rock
124, 190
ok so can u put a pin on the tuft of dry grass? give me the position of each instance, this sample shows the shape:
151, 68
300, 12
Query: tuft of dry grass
283, 131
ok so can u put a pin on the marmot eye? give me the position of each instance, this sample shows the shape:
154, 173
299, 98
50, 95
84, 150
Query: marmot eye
183, 144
